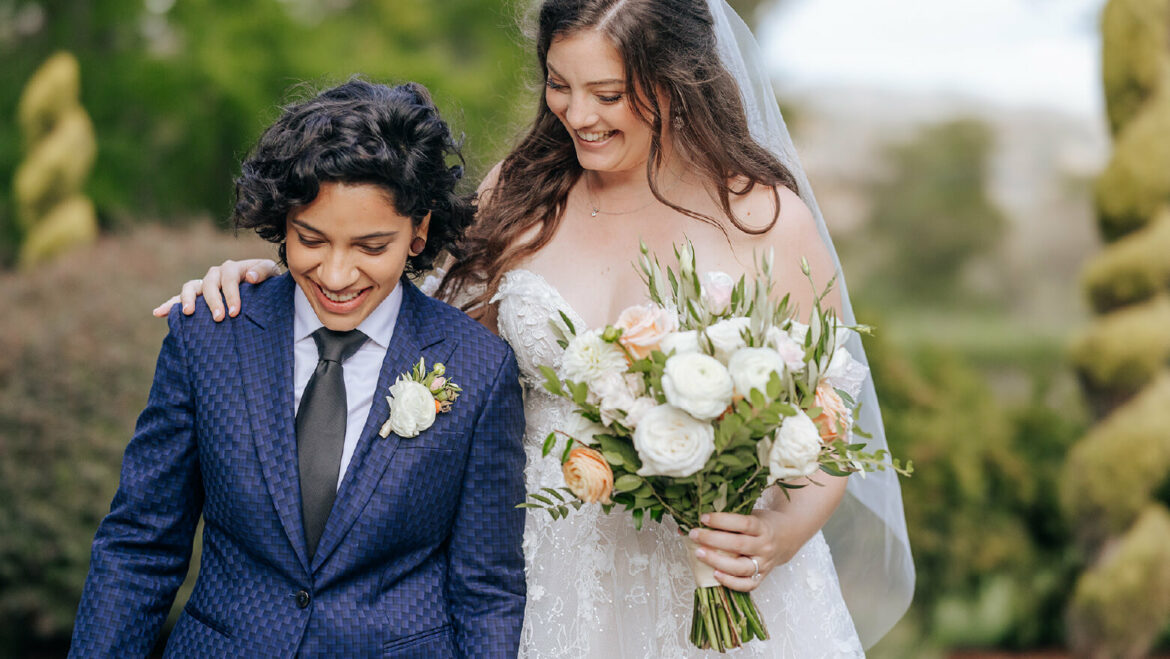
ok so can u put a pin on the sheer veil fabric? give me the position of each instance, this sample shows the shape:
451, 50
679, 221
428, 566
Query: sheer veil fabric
867, 534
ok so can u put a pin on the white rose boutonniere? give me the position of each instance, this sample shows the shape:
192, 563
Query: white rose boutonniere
416, 398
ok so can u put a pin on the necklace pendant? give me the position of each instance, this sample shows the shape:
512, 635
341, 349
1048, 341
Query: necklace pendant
595, 212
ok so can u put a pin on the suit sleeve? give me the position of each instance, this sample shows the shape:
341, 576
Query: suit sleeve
143, 547
486, 569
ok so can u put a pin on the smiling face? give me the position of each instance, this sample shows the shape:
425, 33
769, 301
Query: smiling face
586, 89
347, 250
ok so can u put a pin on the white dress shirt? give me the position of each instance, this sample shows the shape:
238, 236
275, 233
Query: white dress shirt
361, 370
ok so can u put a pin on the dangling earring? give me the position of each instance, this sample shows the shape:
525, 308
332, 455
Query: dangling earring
677, 122
417, 245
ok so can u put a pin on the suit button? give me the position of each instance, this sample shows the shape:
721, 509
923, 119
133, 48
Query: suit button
303, 599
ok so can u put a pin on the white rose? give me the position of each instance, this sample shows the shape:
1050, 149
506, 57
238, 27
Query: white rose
698, 384
788, 348
412, 409
751, 368
680, 342
716, 291
727, 336
795, 449
672, 443
588, 358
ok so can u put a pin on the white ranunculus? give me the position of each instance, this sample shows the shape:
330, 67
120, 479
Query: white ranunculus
680, 342
751, 368
795, 449
588, 358
727, 336
697, 384
671, 442
412, 409
716, 292
789, 350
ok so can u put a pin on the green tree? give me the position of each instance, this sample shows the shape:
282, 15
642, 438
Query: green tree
178, 90
1115, 478
930, 216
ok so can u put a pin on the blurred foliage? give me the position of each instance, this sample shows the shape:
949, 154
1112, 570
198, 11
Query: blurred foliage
1136, 182
1136, 61
931, 216
1115, 477
1134, 269
77, 353
179, 90
52, 213
1122, 351
1091, 490
1122, 604
989, 539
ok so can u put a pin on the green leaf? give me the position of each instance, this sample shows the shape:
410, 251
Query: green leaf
549, 443
558, 495
530, 505
541, 498
568, 323
774, 386
628, 483
637, 515
565, 454
552, 383
720, 503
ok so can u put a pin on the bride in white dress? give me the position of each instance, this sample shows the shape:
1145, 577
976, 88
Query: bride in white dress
658, 124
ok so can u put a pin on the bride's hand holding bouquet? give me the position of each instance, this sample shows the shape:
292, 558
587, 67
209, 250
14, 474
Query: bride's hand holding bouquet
694, 404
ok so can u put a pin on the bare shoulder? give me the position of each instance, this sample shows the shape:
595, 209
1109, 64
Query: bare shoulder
489, 182
795, 236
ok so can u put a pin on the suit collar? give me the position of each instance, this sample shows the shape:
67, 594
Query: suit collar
264, 350
417, 333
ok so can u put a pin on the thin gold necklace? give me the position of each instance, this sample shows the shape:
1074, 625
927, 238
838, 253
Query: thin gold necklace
596, 210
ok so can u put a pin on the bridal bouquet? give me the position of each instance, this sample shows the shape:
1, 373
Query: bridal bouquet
699, 401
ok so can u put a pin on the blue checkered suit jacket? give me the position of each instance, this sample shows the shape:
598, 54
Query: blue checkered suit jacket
420, 557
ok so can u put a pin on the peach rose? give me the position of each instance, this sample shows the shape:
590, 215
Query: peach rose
643, 328
835, 418
588, 475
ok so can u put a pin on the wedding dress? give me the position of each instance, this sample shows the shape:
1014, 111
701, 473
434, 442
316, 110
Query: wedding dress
599, 588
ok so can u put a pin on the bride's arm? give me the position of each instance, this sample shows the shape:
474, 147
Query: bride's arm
773, 536
225, 279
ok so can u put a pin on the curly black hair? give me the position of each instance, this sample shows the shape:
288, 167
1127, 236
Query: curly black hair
358, 132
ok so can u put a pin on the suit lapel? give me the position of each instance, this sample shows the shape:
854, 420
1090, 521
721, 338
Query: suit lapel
265, 347
415, 336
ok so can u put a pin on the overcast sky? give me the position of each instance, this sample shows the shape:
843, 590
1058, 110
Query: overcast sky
1014, 52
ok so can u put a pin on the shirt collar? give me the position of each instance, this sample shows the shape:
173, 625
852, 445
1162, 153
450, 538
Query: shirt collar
378, 326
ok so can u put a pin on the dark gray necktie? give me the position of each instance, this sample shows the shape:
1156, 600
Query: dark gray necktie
321, 429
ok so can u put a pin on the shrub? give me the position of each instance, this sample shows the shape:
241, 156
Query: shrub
77, 352
1133, 269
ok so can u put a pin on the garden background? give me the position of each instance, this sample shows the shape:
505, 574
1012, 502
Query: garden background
1012, 254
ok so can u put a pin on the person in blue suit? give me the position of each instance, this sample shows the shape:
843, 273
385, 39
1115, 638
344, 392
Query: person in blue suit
349, 510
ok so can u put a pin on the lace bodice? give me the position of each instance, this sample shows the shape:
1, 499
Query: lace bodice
599, 588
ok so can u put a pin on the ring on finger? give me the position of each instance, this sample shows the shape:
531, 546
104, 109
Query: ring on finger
756, 563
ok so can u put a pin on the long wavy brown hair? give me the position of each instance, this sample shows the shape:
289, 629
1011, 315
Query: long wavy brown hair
665, 45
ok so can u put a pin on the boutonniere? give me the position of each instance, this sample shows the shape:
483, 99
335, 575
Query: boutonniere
416, 397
